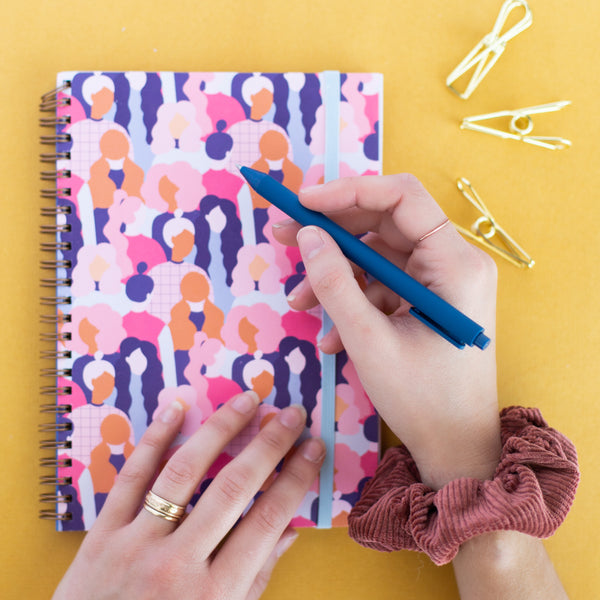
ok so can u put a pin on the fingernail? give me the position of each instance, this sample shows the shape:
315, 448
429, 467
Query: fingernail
310, 189
293, 416
294, 293
284, 223
171, 413
283, 545
310, 241
245, 403
313, 450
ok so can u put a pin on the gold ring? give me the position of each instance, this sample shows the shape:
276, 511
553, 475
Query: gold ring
434, 230
162, 508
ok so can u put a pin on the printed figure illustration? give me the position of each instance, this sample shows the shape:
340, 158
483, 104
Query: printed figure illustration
178, 286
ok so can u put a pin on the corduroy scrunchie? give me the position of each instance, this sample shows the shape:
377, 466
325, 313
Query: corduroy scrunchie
532, 491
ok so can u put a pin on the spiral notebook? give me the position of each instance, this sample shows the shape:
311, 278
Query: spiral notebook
168, 282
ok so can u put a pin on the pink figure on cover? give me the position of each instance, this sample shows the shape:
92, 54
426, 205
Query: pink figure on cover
96, 270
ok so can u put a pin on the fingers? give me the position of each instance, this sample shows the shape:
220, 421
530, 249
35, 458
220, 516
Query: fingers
332, 281
302, 297
401, 213
413, 211
230, 492
180, 477
262, 527
124, 500
264, 575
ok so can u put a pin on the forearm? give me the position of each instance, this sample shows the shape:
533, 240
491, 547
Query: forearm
506, 565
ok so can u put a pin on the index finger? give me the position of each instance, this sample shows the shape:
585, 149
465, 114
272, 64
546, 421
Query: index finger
396, 206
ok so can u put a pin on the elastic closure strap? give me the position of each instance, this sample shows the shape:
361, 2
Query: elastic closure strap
330, 85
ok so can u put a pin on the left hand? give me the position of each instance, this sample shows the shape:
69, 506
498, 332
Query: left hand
131, 553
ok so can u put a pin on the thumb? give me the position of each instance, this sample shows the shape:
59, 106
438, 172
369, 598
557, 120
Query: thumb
333, 282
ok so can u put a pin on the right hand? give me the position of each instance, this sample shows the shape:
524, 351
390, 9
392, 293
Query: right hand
440, 401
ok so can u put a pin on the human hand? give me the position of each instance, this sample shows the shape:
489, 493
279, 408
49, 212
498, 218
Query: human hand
131, 553
440, 401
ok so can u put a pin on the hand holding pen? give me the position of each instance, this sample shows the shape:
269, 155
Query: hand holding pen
440, 402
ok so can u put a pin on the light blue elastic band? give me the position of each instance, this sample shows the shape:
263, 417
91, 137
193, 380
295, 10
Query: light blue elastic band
331, 100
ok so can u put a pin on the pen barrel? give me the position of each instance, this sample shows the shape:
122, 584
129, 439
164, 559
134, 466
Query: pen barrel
430, 308
447, 319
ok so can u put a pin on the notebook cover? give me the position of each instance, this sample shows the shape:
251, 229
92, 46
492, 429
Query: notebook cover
177, 288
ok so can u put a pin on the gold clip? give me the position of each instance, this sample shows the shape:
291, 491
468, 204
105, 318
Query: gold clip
521, 124
486, 227
488, 50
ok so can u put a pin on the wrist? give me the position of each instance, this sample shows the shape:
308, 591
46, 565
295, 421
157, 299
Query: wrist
471, 453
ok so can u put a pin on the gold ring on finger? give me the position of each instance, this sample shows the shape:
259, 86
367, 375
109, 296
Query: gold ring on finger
162, 508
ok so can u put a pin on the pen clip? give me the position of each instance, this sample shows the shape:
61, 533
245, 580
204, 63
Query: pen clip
485, 54
415, 312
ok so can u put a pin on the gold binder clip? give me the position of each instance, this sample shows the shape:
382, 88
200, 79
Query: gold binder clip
521, 125
486, 228
489, 49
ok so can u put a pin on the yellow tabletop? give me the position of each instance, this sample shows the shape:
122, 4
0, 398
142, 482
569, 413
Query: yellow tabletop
548, 317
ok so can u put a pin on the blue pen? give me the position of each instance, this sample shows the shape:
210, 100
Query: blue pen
428, 307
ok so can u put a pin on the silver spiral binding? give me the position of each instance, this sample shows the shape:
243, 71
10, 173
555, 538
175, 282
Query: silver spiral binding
54, 246
55, 264
49, 497
52, 158
55, 409
56, 193
54, 427
51, 515
52, 444
54, 175
59, 138
57, 320
55, 463
55, 354
50, 372
64, 228
51, 122
55, 336
53, 480
51, 101
54, 390
55, 300
57, 430
64, 281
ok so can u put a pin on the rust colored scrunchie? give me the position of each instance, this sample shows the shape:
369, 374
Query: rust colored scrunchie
532, 491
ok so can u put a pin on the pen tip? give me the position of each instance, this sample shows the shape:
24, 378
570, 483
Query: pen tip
238, 166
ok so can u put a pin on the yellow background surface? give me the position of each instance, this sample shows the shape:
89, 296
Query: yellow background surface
548, 318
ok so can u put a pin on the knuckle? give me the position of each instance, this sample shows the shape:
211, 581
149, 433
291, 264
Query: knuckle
221, 426
298, 477
482, 266
178, 471
272, 439
271, 517
232, 485
131, 473
408, 180
165, 571
329, 282
152, 439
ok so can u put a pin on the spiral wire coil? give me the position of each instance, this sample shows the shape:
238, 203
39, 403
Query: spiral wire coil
56, 502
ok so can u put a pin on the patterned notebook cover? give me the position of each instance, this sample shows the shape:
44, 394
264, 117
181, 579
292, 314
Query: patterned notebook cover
176, 287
